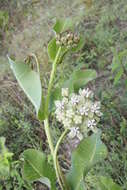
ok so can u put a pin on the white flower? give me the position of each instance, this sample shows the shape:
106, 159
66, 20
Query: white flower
77, 119
74, 99
70, 113
95, 107
65, 92
64, 101
78, 110
91, 123
74, 132
99, 113
86, 93
67, 122
79, 135
84, 110
59, 105
60, 115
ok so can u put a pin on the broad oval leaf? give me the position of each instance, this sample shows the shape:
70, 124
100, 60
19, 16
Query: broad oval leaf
62, 25
82, 77
53, 49
36, 168
29, 81
79, 79
89, 152
106, 183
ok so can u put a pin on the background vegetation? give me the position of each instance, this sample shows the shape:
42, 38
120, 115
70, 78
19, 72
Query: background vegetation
25, 27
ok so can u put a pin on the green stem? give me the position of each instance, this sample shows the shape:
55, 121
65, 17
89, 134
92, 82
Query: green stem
51, 80
46, 121
59, 142
48, 134
55, 157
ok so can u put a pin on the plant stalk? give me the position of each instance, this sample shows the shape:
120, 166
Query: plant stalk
51, 81
59, 142
55, 157
46, 121
48, 134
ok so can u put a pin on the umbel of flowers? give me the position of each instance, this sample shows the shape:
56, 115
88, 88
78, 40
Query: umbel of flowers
67, 39
78, 112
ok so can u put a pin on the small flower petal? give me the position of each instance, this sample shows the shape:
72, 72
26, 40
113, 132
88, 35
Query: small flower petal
65, 92
72, 133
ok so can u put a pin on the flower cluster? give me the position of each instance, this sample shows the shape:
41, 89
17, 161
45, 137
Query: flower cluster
68, 39
78, 112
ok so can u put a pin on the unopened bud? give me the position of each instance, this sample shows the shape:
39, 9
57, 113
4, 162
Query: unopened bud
70, 36
70, 42
76, 39
58, 42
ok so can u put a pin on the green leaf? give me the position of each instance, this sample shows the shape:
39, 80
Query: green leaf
5, 157
89, 152
118, 76
82, 77
41, 114
55, 95
29, 81
63, 25
116, 61
106, 183
122, 54
36, 168
79, 79
52, 49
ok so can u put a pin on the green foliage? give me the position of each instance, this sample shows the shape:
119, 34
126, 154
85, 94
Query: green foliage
4, 19
59, 27
36, 168
25, 77
63, 25
14, 180
52, 49
80, 78
106, 183
119, 64
89, 152
5, 156
114, 135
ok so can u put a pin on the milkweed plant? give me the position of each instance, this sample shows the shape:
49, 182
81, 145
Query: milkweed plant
74, 107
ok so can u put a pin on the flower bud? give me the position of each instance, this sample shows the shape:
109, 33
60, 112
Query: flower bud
67, 39
76, 39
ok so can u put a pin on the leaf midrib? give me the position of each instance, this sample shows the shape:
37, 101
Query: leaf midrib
92, 157
90, 163
22, 74
34, 168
